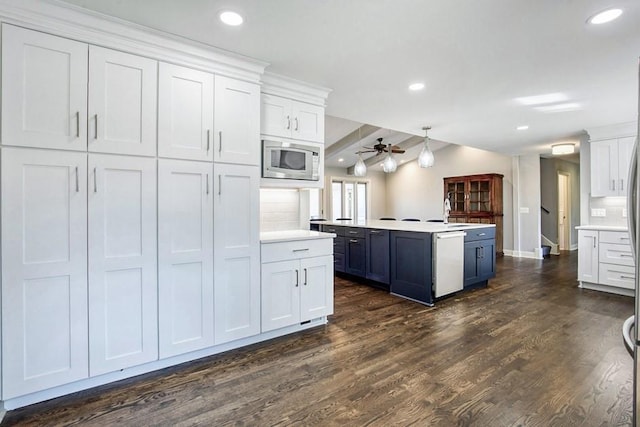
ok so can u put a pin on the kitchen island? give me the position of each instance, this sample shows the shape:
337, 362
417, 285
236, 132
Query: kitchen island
399, 256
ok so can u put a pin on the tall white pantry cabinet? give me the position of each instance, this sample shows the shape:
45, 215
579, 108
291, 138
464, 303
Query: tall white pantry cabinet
118, 174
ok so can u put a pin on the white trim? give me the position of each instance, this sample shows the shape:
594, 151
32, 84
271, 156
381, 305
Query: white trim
605, 288
523, 254
62, 390
548, 242
617, 130
287, 87
66, 20
574, 247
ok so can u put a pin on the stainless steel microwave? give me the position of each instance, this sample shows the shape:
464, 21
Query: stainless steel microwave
285, 160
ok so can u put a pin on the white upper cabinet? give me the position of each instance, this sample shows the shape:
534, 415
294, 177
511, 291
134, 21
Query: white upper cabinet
44, 85
292, 119
185, 256
610, 166
44, 269
185, 113
123, 287
122, 102
236, 261
236, 122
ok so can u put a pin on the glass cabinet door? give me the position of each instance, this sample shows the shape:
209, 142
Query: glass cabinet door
456, 192
480, 195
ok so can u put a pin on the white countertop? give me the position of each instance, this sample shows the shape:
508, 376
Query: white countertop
291, 235
422, 226
603, 227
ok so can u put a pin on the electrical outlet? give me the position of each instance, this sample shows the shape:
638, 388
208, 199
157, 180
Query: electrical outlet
599, 212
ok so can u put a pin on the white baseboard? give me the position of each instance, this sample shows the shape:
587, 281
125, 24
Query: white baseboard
574, 247
605, 288
523, 254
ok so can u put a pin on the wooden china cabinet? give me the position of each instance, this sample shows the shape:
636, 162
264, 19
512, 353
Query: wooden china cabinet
477, 199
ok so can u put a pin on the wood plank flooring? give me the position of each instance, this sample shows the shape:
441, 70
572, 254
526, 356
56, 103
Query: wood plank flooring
530, 350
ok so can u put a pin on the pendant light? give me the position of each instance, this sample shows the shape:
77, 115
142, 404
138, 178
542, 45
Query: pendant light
389, 165
426, 159
360, 168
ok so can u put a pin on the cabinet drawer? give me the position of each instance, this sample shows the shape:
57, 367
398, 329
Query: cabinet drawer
480, 234
621, 276
336, 229
282, 251
616, 254
338, 245
352, 232
620, 237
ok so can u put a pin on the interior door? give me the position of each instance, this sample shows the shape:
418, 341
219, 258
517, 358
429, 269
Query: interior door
563, 229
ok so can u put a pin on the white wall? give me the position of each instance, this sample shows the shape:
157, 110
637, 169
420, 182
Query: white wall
415, 192
526, 206
549, 169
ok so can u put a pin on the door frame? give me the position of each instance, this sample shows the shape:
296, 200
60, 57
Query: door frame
564, 186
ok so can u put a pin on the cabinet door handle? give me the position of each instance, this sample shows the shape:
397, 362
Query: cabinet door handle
375, 232
482, 234
297, 279
95, 181
77, 181
626, 256
219, 184
305, 277
220, 138
95, 134
77, 124
353, 232
621, 184
353, 241
208, 140
288, 122
296, 120
478, 252
613, 183
301, 250
594, 241
207, 184
627, 277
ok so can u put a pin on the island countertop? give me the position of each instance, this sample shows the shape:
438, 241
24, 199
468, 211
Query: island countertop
415, 226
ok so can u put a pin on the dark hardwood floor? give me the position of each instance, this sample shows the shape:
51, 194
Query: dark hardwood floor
530, 350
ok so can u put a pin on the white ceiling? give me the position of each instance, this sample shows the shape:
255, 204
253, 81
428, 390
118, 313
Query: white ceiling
475, 58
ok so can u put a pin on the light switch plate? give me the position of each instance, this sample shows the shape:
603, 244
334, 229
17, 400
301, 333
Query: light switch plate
524, 210
599, 212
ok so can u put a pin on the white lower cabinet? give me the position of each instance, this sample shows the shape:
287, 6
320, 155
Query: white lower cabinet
123, 290
185, 256
588, 255
236, 259
297, 282
44, 270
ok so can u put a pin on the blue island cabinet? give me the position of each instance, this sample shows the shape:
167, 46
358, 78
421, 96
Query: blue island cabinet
377, 255
411, 265
479, 256
355, 251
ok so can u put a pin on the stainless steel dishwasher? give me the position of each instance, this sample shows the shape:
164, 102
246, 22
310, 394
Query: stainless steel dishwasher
448, 262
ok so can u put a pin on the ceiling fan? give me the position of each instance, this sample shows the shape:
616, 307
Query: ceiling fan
380, 148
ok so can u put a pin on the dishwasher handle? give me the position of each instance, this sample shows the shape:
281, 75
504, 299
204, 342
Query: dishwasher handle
450, 235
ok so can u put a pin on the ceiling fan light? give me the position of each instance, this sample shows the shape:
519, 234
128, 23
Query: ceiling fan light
360, 169
389, 165
560, 149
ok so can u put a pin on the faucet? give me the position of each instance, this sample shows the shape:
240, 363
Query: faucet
447, 208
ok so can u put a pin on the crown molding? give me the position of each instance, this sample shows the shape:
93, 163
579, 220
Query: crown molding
275, 84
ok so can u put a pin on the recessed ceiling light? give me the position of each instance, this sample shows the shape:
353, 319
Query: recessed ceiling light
605, 16
341, 159
416, 86
546, 98
559, 108
231, 18
523, 127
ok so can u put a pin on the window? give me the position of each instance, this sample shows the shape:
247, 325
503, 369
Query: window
349, 199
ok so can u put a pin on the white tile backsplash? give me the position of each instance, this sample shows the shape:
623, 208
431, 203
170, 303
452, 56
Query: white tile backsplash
613, 208
279, 209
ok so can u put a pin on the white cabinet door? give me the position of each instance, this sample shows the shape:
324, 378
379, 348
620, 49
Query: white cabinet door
236, 262
44, 85
122, 102
123, 294
44, 270
308, 122
281, 283
237, 121
276, 117
316, 292
604, 165
625, 149
185, 255
588, 256
185, 113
